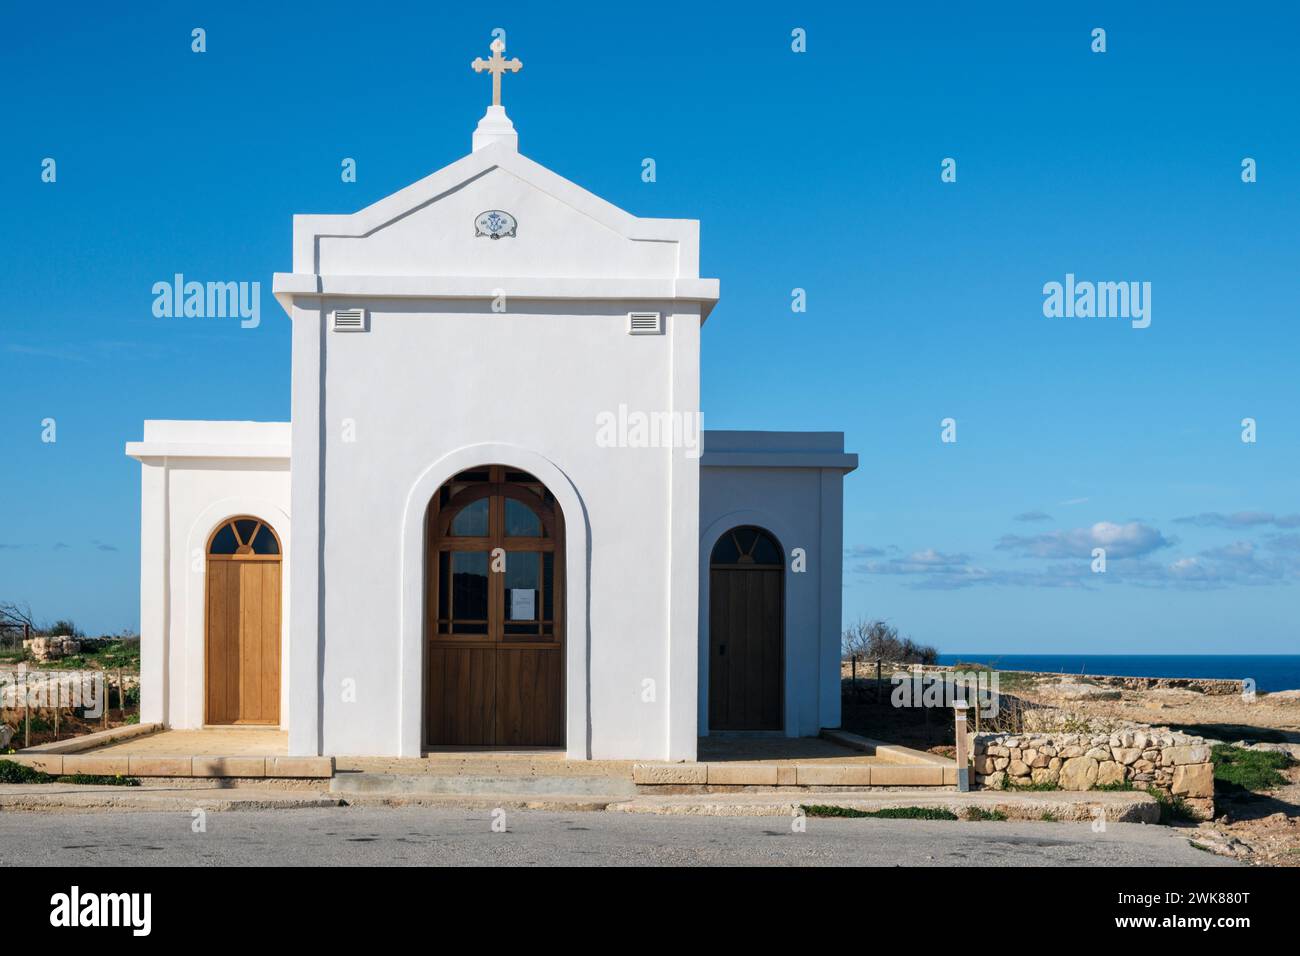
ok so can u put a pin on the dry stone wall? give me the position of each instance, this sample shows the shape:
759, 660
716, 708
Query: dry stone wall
1175, 763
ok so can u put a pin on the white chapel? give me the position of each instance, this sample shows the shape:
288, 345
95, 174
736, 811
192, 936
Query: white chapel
495, 520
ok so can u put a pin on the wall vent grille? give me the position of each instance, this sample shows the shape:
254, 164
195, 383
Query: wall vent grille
349, 320
645, 323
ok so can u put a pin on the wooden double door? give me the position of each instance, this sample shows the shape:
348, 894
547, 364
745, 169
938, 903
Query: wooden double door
746, 632
495, 622
242, 652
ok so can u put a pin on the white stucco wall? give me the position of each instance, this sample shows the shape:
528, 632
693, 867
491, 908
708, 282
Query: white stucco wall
511, 347
791, 484
194, 476
548, 377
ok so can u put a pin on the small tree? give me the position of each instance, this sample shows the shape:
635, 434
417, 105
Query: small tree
15, 623
62, 627
878, 640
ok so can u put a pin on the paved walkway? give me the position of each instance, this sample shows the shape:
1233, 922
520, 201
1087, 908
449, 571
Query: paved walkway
216, 742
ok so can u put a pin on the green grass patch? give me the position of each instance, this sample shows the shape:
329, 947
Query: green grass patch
99, 780
1049, 817
1238, 768
1043, 787
1172, 809
888, 813
1119, 786
976, 813
1016, 680
13, 772
110, 656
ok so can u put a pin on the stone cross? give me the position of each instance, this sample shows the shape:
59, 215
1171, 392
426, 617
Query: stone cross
497, 65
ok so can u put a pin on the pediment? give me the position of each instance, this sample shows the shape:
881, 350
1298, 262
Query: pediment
433, 228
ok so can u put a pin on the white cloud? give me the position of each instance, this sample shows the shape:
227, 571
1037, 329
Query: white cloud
1129, 540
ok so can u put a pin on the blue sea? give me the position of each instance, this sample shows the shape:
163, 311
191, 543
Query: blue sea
1269, 671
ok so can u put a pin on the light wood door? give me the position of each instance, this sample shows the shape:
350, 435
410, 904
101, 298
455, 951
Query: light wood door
243, 639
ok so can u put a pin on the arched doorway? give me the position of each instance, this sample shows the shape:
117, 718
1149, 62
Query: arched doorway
242, 640
746, 631
494, 627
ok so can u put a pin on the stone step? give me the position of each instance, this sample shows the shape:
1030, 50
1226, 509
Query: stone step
381, 784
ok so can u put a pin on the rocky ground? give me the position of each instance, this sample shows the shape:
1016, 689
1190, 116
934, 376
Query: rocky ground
1261, 828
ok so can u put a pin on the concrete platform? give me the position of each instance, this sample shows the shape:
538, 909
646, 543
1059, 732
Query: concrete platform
209, 742
218, 752
606, 788
837, 759
484, 763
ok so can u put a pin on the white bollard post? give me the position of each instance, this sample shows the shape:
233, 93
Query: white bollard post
963, 759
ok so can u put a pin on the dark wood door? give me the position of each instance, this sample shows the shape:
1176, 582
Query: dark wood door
746, 646
495, 613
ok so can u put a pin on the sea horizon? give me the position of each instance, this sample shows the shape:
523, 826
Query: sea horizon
1270, 672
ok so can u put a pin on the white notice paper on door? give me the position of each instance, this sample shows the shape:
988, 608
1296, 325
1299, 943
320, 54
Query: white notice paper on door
523, 604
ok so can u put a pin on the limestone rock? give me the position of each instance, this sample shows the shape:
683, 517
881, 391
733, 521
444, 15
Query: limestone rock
1109, 772
1177, 756
1194, 780
1079, 692
1018, 769
996, 781
1078, 773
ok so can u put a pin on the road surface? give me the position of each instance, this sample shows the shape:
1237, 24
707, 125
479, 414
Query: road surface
442, 836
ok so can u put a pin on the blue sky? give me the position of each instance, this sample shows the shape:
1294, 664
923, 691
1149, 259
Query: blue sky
818, 170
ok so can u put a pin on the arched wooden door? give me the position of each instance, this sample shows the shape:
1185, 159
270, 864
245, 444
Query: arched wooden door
242, 658
746, 631
495, 612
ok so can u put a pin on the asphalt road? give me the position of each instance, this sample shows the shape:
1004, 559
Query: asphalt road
424, 836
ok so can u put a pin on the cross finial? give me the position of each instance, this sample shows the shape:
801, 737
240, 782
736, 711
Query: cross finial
497, 65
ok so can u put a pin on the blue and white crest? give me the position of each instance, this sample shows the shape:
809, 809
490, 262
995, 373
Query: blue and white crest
495, 224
